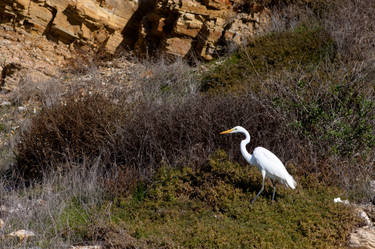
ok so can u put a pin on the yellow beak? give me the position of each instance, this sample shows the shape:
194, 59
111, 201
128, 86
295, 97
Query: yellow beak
226, 132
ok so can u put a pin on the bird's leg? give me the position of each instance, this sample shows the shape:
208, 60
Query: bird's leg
274, 189
261, 190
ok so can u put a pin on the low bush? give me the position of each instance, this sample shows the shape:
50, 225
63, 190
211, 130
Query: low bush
74, 130
289, 50
61, 210
209, 207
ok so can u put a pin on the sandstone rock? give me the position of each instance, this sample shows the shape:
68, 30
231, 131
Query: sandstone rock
363, 237
206, 25
217, 4
38, 16
22, 234
178, 46
3, 208
361, 213
69, 21
87, 247
62, 29
113, 42
28, 59
202, 28
5, 103
188, 24
2, 224
244, 27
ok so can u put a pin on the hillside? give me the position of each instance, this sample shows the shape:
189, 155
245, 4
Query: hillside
110, 114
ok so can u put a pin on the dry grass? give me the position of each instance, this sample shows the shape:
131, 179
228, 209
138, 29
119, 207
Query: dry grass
351, 25
45, 208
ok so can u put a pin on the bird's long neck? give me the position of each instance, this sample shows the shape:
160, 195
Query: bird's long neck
244, 152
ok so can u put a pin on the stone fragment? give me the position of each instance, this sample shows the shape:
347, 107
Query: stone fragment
363, 237
114, 42
87, 247
178, 46
22, 234
188, 25
217, 4
2, 224
361, 213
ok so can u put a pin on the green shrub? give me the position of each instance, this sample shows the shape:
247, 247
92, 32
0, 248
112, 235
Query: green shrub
343, 118
304, 47
209, 207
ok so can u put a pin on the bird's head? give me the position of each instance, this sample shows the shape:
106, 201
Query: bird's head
234, 130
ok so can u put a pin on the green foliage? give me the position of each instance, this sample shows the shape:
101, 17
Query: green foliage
80, 221
303, 47
75, 217
2, 127
210, 208
139, 192
343, 118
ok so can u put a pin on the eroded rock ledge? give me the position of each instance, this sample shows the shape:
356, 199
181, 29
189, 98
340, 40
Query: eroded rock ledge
176, 27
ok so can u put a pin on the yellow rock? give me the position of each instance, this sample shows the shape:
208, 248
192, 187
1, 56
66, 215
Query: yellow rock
22, 234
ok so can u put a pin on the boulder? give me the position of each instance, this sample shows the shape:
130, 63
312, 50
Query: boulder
22, 234
2, 224
87, 247
363, 237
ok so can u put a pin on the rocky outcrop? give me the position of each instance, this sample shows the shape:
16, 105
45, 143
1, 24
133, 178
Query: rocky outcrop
363, 238
174, 27
198, 28
96, 23
26, 58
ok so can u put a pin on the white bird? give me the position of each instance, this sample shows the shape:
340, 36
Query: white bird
267, 162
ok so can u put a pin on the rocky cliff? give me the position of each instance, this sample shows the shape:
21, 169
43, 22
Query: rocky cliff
203, 28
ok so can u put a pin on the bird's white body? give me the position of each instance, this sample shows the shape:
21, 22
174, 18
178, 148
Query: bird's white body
267, 162
264, 159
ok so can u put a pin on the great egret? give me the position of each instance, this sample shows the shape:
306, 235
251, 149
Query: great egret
267, 162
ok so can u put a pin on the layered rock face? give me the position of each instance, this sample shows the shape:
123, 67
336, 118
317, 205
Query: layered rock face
96, 23
175, 27
199, 28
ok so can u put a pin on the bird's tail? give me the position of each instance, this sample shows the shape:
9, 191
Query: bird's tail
291, 182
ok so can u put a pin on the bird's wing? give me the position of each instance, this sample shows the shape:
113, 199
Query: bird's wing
270, 163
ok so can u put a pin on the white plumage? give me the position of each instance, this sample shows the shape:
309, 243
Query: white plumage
267, 162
